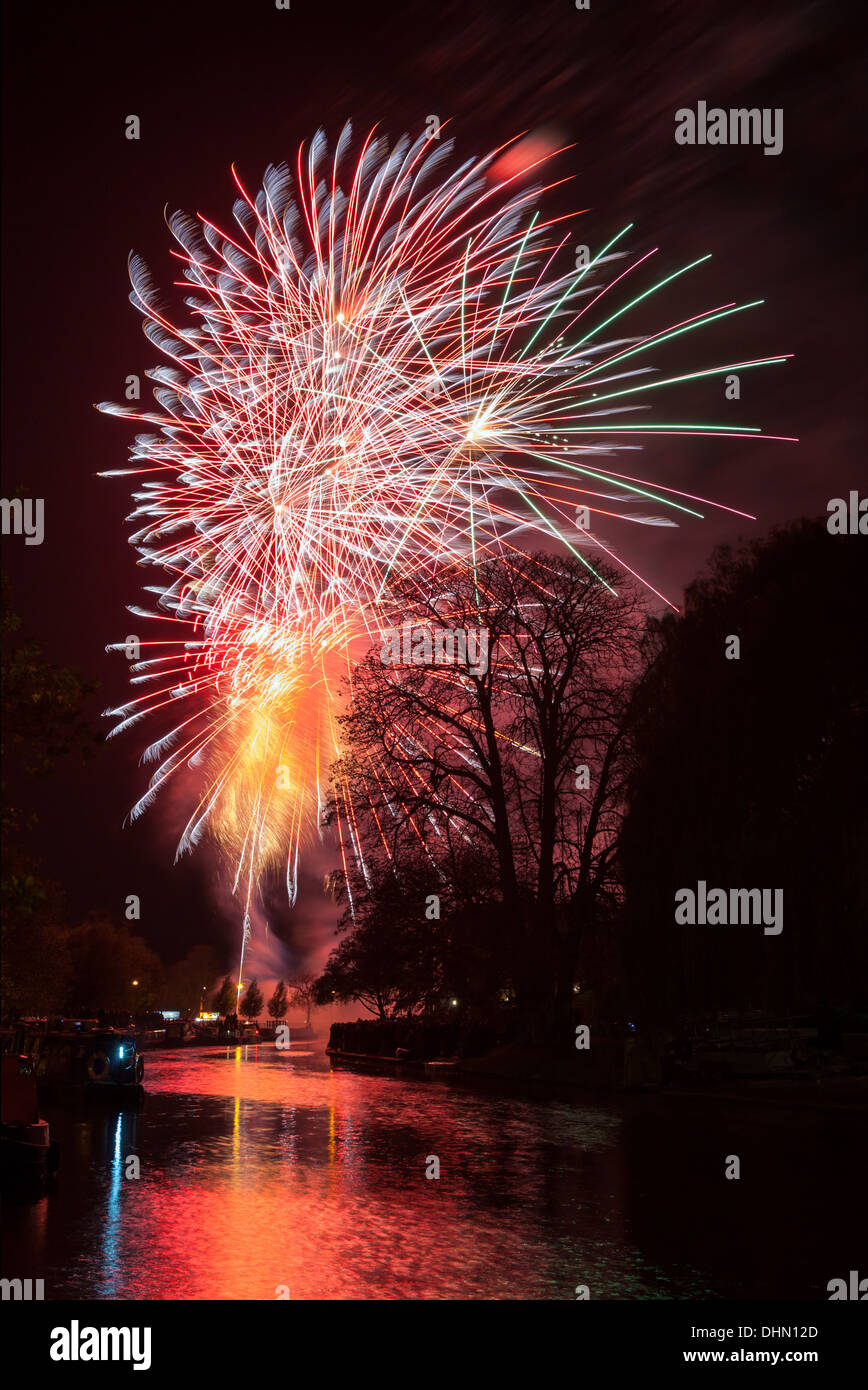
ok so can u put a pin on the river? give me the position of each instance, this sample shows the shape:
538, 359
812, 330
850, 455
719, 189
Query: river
266, 1174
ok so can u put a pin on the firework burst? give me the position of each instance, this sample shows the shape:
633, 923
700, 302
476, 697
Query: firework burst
385, 370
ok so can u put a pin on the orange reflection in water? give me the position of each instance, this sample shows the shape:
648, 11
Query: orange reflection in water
262, 1169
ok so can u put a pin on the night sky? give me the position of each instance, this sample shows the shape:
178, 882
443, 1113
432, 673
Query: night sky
245, 83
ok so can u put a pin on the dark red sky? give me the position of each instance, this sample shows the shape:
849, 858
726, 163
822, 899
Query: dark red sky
246, 83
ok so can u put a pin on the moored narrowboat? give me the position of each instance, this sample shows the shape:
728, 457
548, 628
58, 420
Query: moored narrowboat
28, 1154
105, 1063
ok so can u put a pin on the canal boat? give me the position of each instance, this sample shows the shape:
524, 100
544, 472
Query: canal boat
28, 1154
238, 1030
179, 1032
103, 1063
751, 1047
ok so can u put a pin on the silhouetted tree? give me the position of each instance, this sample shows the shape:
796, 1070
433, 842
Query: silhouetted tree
105, 960
751, 773
42, 720
252, 1004
188, 979
522, 760
36, 955
278, 1003
301, 994
224, 1000
416, 932
41, 723
359, 971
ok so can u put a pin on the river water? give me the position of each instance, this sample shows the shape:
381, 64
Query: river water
266, 1174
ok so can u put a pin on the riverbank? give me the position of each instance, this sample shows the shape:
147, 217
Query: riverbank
613, 1064
538, 1071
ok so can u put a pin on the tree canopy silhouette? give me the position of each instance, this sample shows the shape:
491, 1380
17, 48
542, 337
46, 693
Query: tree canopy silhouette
751, 773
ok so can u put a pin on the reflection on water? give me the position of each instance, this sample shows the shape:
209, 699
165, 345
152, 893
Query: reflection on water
262, 1170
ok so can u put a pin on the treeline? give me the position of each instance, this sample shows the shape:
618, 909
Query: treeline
517, 836
297, 993
52, 969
